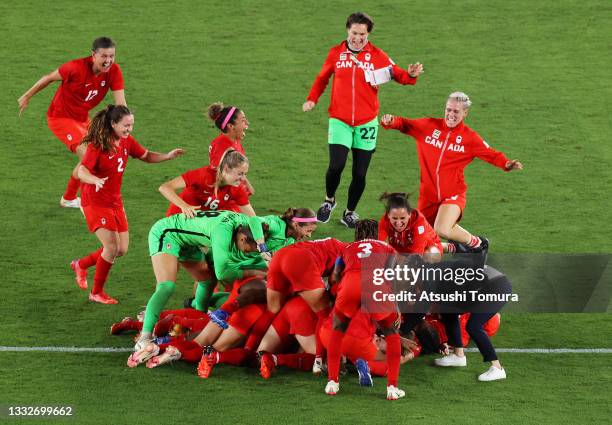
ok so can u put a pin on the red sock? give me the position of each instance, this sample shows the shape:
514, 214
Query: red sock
72, 188
235, 356
321, 316
450, 248
300, 361
90, 259
394, 351
474, 242
102, 269
190, 351
259, 330
378, 368
334, 352
230, 306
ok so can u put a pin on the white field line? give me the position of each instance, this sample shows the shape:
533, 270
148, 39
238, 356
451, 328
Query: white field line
469, 350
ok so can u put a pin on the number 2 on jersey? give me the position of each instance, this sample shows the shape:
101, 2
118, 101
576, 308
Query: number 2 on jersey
120, 165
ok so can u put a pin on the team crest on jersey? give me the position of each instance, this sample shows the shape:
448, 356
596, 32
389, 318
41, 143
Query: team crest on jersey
103, 221
436, 134
124, 151
103, 83
367, 56
226, 197
342, 56
421, 229
168, 246
458, 139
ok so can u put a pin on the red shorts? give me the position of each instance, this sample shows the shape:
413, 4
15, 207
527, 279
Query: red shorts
348, 299
352, 298
294, 270
112, 219
68, 131
430, 209
295, 318
352, 347
244, 318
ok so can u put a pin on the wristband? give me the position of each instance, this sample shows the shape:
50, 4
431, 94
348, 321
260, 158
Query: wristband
262, 247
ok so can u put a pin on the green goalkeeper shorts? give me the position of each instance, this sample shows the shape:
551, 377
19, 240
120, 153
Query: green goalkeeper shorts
359, 137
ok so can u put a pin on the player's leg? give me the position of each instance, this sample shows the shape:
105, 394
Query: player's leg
110, 247
334, 351
390, 329
453, 332
361, 163
205, 285
340, 141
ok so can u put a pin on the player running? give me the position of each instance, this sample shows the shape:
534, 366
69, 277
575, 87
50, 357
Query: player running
445, 147
84, 83
108, 144
357, 66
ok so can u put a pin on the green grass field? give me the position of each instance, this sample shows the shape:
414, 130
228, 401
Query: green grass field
536, 72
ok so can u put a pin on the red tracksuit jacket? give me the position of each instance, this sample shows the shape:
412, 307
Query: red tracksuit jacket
444, 153
353, 100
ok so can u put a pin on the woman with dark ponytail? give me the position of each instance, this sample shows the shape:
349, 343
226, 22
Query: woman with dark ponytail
406, 229
109, 143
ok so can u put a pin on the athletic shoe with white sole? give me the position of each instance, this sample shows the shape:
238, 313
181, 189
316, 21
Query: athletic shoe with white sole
493, 374
325, 210
171, 354
102, 298
451, 360
365, 378
317, 366
72, 203
393, 393
332, 388
350, 219
142, 355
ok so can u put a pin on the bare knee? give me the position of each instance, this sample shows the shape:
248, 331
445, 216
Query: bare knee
443, 230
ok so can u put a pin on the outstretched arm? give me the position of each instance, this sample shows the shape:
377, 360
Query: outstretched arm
154, 157
38, 86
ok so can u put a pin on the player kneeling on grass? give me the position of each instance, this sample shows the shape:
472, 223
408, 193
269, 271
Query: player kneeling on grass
361, 258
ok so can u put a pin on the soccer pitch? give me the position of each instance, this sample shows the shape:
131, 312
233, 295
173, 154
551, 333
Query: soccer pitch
538, 74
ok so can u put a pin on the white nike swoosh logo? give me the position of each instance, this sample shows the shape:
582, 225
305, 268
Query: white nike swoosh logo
111, 156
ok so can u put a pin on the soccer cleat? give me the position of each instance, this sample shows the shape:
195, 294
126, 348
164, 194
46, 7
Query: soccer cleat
493, 374
332, 388
143, 354
317, 366
393, 393
171, 354
325, 210
267, 366
80, 274
365, 379
102, 298
127, 324
206, 365
72, 203
451, 360
350, 219
219, 318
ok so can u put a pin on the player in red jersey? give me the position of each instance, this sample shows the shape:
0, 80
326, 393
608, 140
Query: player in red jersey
357, 264
109, 144
445, 147
211, 189
357, 66
406, 230
84, 83
233, 124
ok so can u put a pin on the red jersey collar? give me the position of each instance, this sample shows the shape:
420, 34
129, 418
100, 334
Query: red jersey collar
366, 48
458, 127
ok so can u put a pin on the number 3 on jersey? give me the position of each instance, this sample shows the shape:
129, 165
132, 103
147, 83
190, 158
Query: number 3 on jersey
366, 250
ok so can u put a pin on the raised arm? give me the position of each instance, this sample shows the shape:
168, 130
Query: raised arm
154, 157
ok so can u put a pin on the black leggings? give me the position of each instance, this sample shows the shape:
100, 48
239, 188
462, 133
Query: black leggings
337, 160
479, 316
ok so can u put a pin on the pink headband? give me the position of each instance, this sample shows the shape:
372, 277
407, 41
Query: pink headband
228, 116
304, 219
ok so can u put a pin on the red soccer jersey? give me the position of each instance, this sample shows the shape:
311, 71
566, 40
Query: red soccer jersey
366, 254
325, 252
353, 100
219, 146
444, 153
200, 190
108, 164
414, 239
81, 90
